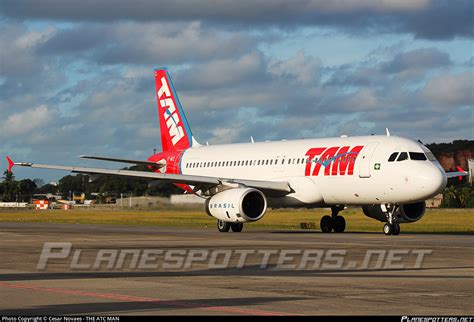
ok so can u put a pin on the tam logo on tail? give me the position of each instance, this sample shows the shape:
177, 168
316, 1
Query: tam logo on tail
175, 132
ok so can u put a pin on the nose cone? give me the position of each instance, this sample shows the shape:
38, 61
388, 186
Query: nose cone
432, 181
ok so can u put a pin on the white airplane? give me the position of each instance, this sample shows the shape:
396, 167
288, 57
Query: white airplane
389, 176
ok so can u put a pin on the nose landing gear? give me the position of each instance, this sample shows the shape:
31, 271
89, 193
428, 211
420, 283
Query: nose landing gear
333, 222
391, 227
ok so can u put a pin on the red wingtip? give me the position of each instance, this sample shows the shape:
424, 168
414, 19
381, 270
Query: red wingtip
460, 170
10, 164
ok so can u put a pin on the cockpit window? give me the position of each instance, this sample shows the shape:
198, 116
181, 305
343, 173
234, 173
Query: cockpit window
419, 156
430, 156
403, 156
393, 157
428, 153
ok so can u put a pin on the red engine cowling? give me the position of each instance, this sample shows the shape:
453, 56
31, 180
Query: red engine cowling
405, 214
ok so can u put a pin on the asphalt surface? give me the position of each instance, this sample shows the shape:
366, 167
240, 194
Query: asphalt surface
344, 279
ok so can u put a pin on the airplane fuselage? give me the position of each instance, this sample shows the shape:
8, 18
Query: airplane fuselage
329, 171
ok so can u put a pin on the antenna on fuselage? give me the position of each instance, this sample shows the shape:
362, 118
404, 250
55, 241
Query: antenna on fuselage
251, 139
387, 131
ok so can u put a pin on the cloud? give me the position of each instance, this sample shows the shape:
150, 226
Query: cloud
238, 73
25, 123
435, 19
146, 43
17, 57
407, 66
417, 59
451, 89
304, 70
223, 72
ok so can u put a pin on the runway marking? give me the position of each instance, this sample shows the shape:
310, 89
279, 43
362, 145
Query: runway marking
173, 303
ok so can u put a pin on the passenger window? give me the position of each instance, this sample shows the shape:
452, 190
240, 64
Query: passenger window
393, 157
403, 156
419, 156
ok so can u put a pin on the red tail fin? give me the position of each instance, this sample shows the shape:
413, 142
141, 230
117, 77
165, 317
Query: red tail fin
175, 131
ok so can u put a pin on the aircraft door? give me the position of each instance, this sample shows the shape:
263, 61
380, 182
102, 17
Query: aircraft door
365, 158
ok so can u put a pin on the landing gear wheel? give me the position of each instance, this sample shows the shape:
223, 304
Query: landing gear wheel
326, 224
223, 226
339, 224
387, 229
395, 229
237, 227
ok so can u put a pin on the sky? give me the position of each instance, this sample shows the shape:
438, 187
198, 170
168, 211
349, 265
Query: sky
76, 77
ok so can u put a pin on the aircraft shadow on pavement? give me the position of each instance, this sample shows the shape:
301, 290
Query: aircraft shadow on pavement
372, 233
206, 305
246, 271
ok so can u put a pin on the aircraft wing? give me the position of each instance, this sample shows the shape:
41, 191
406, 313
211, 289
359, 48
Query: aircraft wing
272, 187
155, 164
456, 174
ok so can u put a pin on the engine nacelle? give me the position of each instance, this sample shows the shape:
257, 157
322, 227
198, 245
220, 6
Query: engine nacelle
237, 205
406, 213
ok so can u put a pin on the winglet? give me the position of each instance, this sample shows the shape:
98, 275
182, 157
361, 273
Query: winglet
10, 164
460, 170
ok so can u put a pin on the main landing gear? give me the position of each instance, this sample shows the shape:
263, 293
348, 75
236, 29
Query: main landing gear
225, 226
391, 227
333, 222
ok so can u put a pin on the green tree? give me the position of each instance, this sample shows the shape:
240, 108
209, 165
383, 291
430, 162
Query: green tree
73, 183
450, 199
47, 188
10, 187
466, 197
458, 197
39, 182
25, 189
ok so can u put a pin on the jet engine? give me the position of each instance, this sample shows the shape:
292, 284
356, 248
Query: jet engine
237, 205
405, 214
